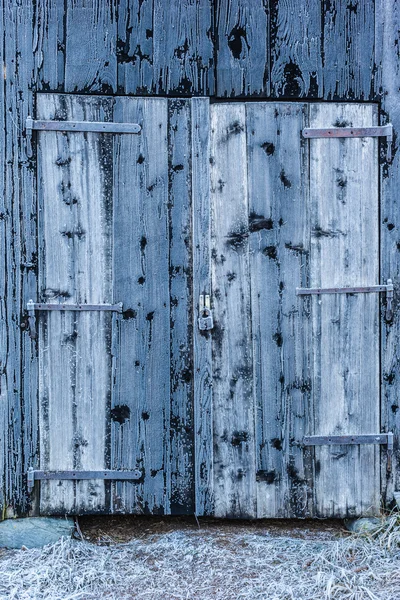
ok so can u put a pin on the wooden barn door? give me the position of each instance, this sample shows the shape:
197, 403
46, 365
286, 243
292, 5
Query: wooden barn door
290, 213
115, 388
226, 201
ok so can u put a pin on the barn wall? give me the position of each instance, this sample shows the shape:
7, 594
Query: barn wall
273, 49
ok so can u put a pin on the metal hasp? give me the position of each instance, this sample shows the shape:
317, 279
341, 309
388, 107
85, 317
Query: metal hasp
206, 321
33, 476
71, 126
346, 440
32, 306
388, 289
354, 132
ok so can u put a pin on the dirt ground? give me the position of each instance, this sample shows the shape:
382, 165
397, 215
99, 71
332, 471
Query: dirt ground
122, 529
125, 558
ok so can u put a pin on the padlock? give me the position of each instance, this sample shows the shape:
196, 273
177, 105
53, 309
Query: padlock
206, 321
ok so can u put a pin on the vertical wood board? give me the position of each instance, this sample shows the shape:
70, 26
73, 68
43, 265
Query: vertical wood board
387, 24
345, 252
279, 262
141, 392
181, 316
202, 358
74, 266
233, 409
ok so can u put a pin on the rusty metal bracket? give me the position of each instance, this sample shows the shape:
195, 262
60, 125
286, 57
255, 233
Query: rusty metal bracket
353, 132
388, 289
33, 306
34, 475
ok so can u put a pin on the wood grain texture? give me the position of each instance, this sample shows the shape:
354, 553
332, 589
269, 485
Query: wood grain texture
243, 47
165, 48
181, 317
296, 53
279, 262
140, 435
90, 46
18, 363
349, 49
345, 252
387, 19
75, 233
49, 45
202, 358
233, 407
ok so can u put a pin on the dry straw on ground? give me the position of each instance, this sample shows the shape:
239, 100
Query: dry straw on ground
213, 561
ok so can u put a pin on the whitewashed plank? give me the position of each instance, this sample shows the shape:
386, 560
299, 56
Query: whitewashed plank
75, 266
233, 411
345, 252
279, 259
141, 392
203, 405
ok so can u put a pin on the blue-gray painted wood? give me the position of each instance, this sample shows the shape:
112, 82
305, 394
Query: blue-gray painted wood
387, 21
18, 364
279, 237
141, 410
75, 241
181, 280
344, 252
243, 48
47, 46
165, 47
50, 49
348, 47
232, 356
296, 49
90, 46
202, 358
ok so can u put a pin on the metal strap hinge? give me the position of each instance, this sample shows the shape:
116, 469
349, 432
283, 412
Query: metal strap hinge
346, 440
74, 126
388, 289
34, 475
32, 306
353, 132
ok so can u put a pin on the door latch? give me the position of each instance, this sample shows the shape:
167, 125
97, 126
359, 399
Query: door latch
206, 321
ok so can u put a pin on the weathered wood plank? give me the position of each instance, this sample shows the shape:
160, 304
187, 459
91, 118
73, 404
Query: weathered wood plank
202, 372
181, 277
233, 411
3, 285
348, 47
279, 261
345, 252
49, 45
243, 48
387, 19
141, 407
90, 46
19, 437
75, 232
165, 48
296, 51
